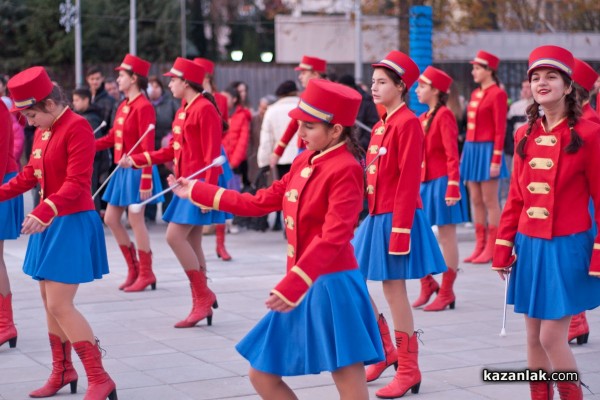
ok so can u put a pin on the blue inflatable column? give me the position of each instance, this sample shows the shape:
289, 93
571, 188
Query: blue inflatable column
421, 50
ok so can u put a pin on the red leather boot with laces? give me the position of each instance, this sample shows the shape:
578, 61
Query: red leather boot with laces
579, 328
488, 252
541, 390
429, 286
8, 331
374, 371
479, 242
445, 297
146, 276
203, 300
569, 390
132, 265
221, 250
62, 373
100, 385
408, 375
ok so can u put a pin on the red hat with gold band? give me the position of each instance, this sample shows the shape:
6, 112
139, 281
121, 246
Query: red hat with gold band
402, 65
436, 78
486, 59
134, 64
326, 101
187, 70
553, 57
312, 64
584, 75
29, 87
209, 66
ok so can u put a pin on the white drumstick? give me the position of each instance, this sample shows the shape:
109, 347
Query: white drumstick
503, 330
382, 151
136, 208
150, 128
102, 125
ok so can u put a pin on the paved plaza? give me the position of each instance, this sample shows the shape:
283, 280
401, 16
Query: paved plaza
151, 360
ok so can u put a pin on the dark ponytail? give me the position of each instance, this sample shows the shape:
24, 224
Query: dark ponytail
573, 115
442, 99
533, 113
350, 135
56, 95
198, 88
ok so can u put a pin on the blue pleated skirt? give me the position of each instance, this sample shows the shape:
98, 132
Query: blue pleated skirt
11, 214
550, 278
476, 160
71, 250
333, 327
124, 187
371, 247
433, 194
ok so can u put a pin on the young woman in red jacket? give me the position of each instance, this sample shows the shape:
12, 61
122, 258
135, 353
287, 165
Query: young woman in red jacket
11, 215
66, 246
223, 108
555, 267
134, 115
395, 242
482, 162
235, 140
197, 132
442, 191
320, 318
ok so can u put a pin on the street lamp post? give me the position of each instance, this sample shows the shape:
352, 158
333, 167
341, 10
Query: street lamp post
71, 16
132, 28
358, 60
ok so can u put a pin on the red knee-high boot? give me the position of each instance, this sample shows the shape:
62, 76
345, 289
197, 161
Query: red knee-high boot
100, 385
488, 252
146, 276
8, 331
446, 295
221, 250
569, 390
203, 300
408, 375
62, 373
541, 390
479, 243
429, 286
132, 265
578, 329
374, 371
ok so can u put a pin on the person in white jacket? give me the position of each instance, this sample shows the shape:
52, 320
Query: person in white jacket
274, 124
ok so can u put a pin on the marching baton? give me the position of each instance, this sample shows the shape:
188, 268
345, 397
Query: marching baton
136, 208
503, 330
102, 125
362, 125
382, 151
150, 127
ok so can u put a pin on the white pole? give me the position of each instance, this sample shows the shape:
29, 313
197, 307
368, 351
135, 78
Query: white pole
132, 28
358, 60
78, 56
183, 28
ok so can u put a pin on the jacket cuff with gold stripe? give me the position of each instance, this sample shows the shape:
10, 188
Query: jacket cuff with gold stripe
595, 263
453, 191
497, 158
399, 241
503, 255
141, 160
293, 286
45, 212
206, 196
279, 148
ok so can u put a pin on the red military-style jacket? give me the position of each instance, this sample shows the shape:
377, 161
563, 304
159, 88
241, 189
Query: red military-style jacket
235, 140
8, 163
589, 113
440, 150
550, 189
131, 121
321, 198
196, 142
393, 180
61, 162
486, 118
289, 133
